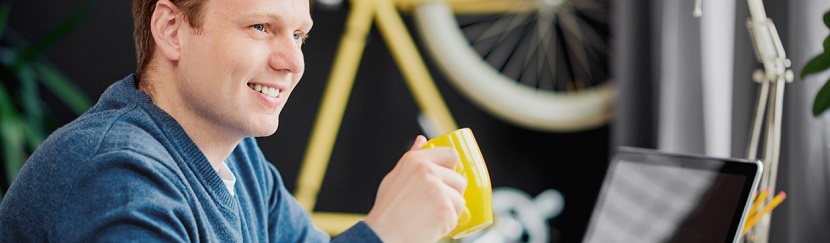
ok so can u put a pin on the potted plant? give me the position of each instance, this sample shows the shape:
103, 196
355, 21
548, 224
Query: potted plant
25, 118
819, 64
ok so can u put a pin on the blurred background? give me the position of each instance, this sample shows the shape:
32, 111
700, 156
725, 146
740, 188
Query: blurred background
681, 84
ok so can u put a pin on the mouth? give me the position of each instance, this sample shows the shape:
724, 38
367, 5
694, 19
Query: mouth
272, 92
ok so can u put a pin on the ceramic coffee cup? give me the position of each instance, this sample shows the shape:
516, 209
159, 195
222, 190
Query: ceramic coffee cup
478, 213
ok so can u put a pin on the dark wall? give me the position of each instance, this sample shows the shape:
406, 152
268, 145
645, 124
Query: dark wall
380, 121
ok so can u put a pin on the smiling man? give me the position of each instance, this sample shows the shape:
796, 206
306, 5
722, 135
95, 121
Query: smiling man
168, 154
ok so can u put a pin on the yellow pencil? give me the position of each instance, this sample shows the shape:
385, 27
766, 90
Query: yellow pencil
768, 208
760, 198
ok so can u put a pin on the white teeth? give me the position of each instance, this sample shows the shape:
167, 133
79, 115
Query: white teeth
269, 91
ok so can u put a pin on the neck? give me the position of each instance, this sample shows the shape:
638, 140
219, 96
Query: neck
208, 136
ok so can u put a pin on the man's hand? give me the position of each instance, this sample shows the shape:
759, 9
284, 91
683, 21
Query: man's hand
421, 199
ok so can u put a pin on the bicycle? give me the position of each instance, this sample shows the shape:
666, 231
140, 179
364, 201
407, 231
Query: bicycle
535, 101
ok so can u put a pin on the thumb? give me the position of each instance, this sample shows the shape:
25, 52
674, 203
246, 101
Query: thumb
420, 141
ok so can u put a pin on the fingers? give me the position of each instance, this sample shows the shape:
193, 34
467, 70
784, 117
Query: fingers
452, 179
443, 160
420, 141
447, 158
454, 185
458, 184
444, 156
459, 203
422, 198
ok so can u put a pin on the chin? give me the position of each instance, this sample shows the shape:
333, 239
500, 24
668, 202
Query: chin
265, 131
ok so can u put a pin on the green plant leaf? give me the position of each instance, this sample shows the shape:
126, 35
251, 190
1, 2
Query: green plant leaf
827, 19
11, 139
33, 50
33, 130
6, 107
816, 65
30, 99
70, 94
826, 44
22, 112
5, 8
12, 147
33, 136
822, 100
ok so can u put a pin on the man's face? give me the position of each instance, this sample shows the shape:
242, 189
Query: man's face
238, 70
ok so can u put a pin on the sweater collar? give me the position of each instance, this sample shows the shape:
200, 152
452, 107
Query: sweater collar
127, 91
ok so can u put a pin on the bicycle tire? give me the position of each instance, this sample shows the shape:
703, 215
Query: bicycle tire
568, 89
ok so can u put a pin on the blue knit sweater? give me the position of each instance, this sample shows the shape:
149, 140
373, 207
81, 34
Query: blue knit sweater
126, 171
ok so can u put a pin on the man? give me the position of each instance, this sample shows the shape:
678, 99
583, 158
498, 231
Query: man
168, 154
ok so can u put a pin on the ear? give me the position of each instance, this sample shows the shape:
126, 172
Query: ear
165, 26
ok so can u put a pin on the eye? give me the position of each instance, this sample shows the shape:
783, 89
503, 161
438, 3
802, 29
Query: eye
259, 27
300, 36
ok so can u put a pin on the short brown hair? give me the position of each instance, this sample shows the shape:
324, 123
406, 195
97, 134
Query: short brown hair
142, 15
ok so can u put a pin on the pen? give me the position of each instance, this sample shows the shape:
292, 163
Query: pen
768, 208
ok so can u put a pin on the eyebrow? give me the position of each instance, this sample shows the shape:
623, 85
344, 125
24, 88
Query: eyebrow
305, 25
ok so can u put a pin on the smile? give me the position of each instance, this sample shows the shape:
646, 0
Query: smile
269, 91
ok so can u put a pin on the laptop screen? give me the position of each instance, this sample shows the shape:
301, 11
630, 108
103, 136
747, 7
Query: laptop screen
653, 196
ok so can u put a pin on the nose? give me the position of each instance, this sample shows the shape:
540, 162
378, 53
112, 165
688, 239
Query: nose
287, 56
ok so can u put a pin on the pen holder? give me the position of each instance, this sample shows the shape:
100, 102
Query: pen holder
478, 212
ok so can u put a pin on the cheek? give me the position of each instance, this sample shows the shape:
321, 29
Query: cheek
203, 58
299, 75
248, 58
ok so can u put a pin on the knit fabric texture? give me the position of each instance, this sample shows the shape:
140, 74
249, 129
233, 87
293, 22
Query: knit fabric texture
125, 170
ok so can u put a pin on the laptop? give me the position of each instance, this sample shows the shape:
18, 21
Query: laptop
653, 196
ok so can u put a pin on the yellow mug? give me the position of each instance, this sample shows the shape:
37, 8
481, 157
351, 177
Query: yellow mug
478, 213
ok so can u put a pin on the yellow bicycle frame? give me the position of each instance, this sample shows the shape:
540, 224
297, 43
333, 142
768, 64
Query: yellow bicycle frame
336, 95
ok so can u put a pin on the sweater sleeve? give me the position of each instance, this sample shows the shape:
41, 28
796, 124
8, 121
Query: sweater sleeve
360, 232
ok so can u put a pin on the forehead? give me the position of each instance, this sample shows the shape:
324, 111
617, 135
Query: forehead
285, 9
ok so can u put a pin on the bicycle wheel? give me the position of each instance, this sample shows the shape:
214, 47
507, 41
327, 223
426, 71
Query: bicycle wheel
539, 64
